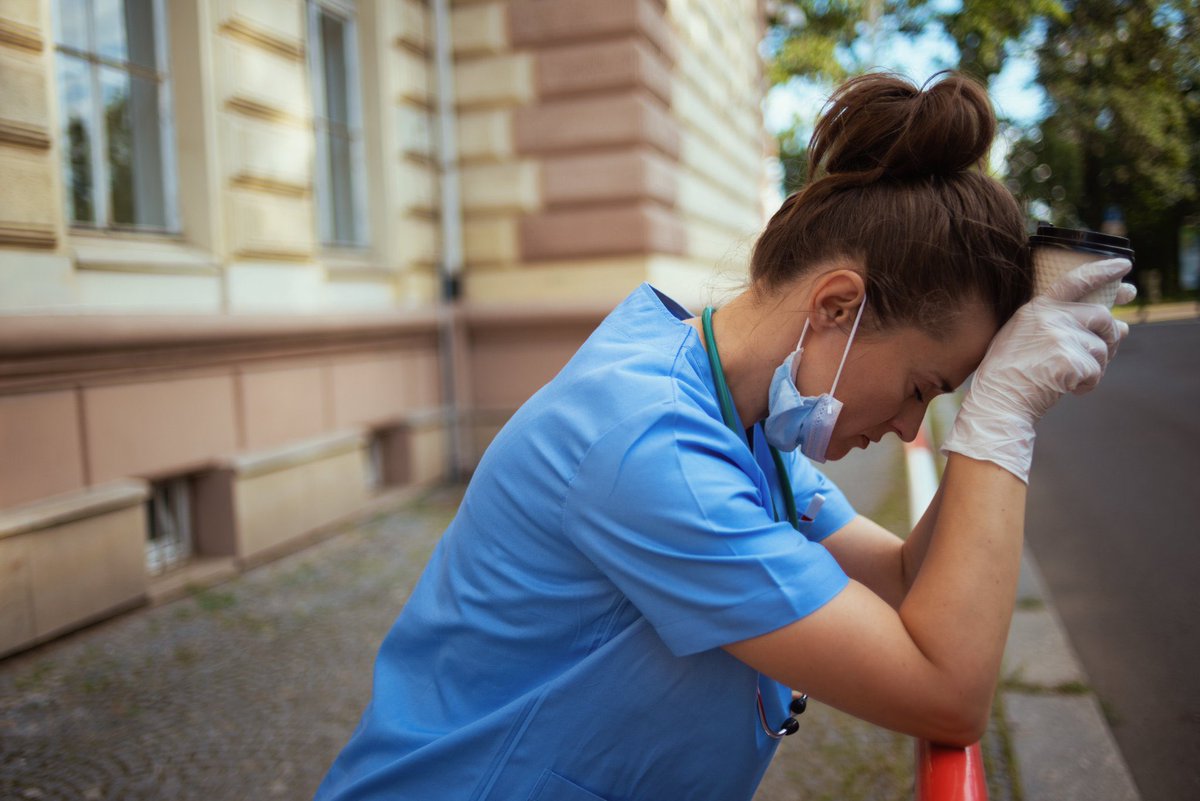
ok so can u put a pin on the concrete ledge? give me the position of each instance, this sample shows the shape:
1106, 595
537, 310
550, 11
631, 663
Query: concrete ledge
383, 503
67, 562
293, 455
287, 496
68, 508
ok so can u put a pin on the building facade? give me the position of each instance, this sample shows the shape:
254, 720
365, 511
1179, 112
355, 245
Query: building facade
263, 263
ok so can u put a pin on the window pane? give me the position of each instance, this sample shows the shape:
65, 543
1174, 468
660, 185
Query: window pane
333, 56
341, 194
114, 88
149, 193
71, 24
139, 33
75, 97
110, 28
125, 31
134, 150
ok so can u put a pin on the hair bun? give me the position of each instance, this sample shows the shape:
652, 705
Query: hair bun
880, 126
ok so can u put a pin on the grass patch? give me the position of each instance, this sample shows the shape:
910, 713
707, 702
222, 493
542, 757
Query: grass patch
1004, 781
1016, 684
186, 655
34, 680
214, 600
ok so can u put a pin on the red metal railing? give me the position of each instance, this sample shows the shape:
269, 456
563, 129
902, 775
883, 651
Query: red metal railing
947, 773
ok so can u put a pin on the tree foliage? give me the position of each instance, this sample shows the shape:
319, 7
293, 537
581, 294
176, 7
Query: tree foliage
1122, 80
830, 40
1122, 133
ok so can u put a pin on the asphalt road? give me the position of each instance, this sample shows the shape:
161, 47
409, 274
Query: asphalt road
1114, 523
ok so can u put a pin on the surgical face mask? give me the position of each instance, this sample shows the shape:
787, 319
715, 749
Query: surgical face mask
797, 421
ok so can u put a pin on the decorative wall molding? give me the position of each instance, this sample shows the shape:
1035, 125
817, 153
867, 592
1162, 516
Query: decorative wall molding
22, 37
276, 254
260, 183
23, 134
27, 235
240, 29
261, 111
46, 352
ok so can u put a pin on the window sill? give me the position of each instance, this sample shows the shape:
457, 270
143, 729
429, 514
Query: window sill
160, 254
352, 263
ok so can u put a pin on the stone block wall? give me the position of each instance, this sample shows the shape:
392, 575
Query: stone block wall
604, 144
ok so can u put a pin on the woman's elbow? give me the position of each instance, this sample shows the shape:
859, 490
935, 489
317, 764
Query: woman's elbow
960, 724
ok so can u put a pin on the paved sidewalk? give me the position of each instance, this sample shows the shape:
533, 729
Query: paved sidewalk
249, 689
243, 691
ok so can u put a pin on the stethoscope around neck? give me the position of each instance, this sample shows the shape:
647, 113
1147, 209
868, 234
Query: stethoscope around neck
725, 400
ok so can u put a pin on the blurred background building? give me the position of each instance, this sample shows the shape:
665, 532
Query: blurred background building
265, 261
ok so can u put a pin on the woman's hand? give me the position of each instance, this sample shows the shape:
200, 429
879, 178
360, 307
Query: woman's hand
1052, 345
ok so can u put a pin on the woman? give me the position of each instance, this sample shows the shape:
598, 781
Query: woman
623, 600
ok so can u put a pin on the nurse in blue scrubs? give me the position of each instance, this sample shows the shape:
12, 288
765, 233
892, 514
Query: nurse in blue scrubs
647, 562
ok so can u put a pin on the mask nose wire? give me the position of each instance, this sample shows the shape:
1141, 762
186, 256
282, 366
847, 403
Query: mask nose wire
846, 352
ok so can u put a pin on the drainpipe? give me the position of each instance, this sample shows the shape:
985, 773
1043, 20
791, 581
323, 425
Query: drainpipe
451, 262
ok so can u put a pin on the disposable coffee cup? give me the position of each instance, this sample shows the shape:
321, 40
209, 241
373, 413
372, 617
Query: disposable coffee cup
1058, 251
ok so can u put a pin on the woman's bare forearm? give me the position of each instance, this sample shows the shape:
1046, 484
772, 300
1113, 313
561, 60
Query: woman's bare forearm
965, 556
912, 552
930, 667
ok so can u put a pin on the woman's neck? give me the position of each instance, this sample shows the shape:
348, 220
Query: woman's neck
753, 335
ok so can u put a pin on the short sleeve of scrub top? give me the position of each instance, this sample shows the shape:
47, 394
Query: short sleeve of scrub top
674, 509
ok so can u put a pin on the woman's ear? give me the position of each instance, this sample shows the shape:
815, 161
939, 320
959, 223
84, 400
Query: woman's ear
836, 298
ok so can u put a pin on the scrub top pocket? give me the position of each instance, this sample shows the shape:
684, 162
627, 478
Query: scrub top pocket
552, 787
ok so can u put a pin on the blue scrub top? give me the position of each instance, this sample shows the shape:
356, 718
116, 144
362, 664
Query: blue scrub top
564, 642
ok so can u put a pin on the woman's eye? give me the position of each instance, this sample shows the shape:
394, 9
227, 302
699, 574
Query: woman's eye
917, 393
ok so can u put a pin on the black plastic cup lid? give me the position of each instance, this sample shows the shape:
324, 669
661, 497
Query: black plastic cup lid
1087, 241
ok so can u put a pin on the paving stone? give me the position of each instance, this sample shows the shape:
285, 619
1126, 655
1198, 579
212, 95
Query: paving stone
1065, 750
1038, 653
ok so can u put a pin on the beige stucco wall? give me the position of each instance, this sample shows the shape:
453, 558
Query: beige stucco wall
245, 150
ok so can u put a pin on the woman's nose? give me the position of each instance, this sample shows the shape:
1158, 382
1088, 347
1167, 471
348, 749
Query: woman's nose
908, 422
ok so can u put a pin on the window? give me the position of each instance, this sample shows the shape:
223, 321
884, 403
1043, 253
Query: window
115, 112
168, 525
337, 117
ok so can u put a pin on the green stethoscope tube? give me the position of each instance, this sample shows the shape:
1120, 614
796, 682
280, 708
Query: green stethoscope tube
725, 399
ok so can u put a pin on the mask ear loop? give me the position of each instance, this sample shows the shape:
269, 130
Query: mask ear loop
849, 342
798, 351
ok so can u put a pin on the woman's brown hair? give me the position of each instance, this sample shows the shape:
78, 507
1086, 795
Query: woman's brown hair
896, 186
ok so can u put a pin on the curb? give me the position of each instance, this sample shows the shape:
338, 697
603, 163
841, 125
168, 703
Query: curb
1159, 312
1062, 747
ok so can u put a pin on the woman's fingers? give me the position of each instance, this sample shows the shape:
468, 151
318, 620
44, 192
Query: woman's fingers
1125, 294
1091, 276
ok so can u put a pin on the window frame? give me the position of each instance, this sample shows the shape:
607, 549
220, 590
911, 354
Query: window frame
347, 14
98, 163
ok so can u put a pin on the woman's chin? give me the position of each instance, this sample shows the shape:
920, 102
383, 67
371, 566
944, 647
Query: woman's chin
840, 450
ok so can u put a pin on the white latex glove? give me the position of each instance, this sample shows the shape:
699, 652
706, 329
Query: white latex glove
1052, 345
